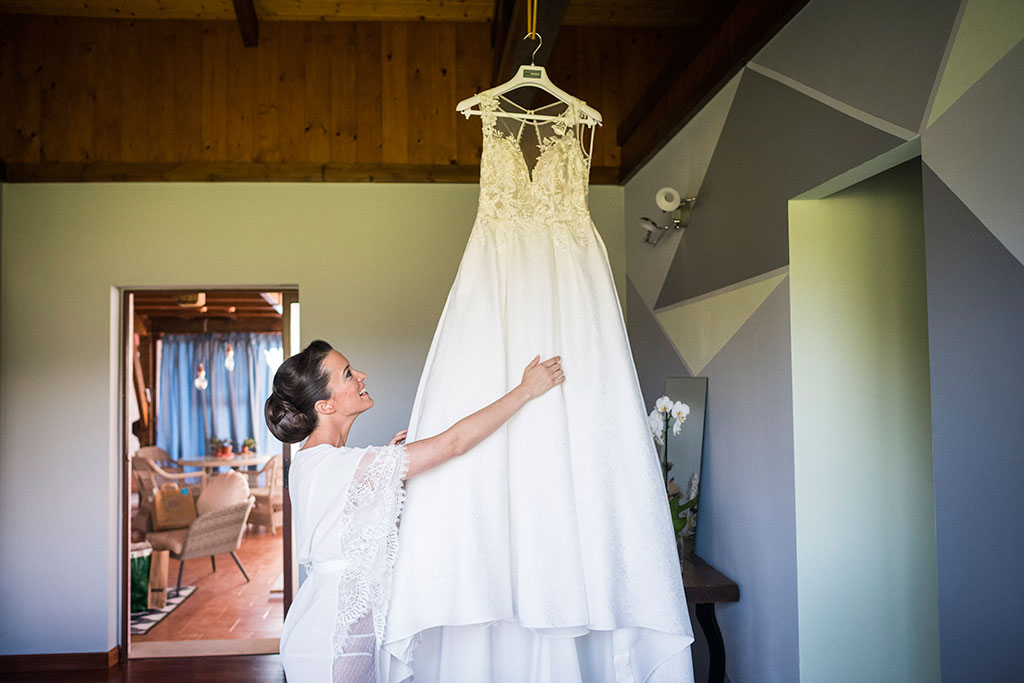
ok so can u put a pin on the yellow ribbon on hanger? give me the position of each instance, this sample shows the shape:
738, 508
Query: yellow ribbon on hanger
531, 18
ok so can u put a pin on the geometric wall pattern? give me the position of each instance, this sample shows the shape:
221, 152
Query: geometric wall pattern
855, 52
654, 355
740, 222
832, 90
700, 328
987, 31
747, 493
976, 147
681, 164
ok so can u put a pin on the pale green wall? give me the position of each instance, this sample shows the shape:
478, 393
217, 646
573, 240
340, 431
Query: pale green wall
865, 516
373, 264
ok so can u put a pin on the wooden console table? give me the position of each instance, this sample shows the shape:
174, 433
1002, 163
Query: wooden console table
705, 586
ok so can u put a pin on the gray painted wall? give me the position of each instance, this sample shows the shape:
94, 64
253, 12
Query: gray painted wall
976, 327
654, 356
878, 56
976, 147
776, 143
747, 525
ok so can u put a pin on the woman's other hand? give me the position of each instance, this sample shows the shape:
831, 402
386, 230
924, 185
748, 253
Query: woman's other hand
539, 377
398, 438
471, 430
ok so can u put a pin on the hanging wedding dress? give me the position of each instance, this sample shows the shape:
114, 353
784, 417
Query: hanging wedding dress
546, 554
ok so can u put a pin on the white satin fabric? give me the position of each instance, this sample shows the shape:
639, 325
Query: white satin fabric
546, 554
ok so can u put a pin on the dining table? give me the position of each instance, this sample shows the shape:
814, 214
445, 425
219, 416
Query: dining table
211, 463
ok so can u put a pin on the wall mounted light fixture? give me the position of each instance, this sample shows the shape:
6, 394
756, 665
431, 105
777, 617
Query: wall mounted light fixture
678, 210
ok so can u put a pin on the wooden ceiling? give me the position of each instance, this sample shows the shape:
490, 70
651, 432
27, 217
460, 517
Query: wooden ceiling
222, 310
346, 90
650, 13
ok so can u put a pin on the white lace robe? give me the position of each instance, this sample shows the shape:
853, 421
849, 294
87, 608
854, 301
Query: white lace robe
345, 503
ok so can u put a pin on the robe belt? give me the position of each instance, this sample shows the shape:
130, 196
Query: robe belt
329, 566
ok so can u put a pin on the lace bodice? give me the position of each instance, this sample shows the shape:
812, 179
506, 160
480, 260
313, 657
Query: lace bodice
550, 199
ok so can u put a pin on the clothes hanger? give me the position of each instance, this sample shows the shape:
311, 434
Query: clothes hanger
530, 75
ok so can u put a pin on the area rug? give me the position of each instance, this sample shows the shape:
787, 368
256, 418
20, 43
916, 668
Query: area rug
141, 622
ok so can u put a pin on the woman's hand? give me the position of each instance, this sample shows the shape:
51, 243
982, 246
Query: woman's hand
539, 377
398, 438
469, 431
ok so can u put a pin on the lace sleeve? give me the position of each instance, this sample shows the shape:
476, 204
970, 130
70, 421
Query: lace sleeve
369, 528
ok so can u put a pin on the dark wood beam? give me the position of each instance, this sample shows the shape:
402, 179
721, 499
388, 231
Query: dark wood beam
198, 326
198, 171
689, 82
248, 24
513, 50
502, 23
689, 45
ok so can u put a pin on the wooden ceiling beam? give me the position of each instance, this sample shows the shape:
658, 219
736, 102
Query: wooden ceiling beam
212, 293
693, 78
634, 13
218, 171
248, 24
270, 10
514, 50
198, 326
212, 310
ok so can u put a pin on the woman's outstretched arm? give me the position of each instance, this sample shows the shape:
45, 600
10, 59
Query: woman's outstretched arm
469, 431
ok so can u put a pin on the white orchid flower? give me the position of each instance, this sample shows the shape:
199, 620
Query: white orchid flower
657, 424
677, 427
663, 404
680, 411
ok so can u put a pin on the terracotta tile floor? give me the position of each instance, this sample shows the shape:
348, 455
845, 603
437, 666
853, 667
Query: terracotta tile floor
224, 606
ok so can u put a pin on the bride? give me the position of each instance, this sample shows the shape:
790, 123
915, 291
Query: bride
346, 503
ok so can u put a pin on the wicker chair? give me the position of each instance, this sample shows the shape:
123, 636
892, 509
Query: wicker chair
149, 476
224, 508
269, 510
162, 459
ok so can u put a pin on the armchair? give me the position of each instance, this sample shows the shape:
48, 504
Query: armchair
224, 508
149, 475
269, 510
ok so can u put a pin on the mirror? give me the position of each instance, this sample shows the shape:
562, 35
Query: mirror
685, 451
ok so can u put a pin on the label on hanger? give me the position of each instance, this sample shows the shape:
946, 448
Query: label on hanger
531, 73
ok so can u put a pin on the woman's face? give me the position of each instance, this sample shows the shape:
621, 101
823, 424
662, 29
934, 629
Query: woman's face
347, 385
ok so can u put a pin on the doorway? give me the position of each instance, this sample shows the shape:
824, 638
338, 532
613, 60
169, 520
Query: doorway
198, 458
865, 510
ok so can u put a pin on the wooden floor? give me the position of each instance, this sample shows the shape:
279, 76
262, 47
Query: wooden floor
244, 669
224, 606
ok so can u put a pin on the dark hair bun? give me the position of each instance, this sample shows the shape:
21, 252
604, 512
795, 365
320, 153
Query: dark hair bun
286, 422
299, 383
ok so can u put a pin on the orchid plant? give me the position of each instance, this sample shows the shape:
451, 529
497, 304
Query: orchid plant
664, 413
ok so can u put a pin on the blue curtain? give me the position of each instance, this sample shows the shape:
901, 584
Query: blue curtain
231, 407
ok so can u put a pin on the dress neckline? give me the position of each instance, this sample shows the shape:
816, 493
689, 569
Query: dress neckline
562, 123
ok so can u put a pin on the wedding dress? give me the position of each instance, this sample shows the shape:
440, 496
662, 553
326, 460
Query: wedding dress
545, 554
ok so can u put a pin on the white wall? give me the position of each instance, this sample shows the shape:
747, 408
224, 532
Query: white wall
373, 264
